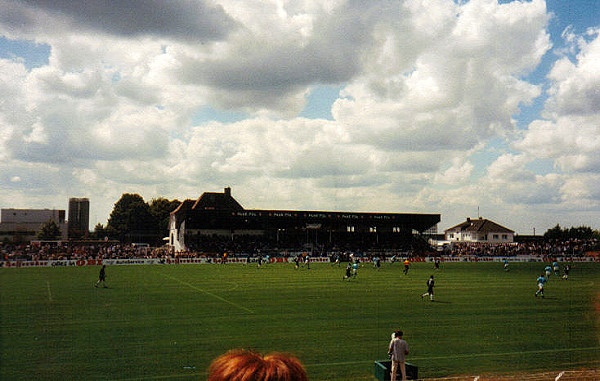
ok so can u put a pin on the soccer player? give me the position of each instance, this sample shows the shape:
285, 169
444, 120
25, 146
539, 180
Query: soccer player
506, 264
548, 272
354, 269
430, 285
376, 263
436, 264
297, 262
393, 259
406, 266
348, 271
556, 268
541, 281
566, 271
102, 277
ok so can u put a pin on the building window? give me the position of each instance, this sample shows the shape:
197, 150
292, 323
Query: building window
396, 229
350, 229
504, 236
495, 236
373, 229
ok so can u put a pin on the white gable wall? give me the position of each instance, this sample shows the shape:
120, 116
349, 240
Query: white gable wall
467, 236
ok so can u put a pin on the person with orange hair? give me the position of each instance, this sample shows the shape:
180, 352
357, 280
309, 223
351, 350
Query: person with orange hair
243, 365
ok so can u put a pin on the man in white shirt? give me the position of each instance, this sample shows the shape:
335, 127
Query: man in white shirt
397, 351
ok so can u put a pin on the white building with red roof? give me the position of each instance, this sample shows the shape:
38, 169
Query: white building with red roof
479, 230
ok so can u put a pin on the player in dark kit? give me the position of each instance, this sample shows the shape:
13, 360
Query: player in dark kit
348, 271
102, 277
566, 270
430, 285
335, 259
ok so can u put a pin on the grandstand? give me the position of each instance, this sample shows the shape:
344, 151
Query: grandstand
218, 220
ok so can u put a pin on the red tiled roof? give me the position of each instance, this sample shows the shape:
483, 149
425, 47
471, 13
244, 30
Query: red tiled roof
481, 225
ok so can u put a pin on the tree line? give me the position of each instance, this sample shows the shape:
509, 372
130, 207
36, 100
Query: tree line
134, 220
580, 232
131, 220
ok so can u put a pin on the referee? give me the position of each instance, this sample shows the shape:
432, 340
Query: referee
102, 277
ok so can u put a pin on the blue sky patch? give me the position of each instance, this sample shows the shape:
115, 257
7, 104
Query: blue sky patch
319, 102
33, 55
209, 114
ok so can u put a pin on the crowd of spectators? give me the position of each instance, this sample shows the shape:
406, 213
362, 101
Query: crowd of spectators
68, 251
285, 245
252, 246
543, 248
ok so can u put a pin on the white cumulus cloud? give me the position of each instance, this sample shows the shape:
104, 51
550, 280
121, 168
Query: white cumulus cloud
426, 85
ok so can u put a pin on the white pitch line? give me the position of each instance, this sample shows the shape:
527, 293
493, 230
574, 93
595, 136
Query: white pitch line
559, 376
354, 363
209, 293
49, 291
508, 353
461, 356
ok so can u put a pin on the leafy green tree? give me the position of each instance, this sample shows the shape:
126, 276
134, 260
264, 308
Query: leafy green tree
554, 233
580, 232
131, 220
161, 209
49, 231
99, 232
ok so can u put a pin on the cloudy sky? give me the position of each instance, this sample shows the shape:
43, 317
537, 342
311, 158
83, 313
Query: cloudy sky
426, 106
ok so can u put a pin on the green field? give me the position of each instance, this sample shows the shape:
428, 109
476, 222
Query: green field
169, 322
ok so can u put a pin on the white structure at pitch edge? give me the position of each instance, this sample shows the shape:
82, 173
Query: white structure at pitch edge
479, 230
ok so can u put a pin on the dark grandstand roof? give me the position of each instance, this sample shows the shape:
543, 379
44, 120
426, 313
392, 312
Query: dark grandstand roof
480, 225
224, 203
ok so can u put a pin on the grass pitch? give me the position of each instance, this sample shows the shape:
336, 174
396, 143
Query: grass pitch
169, 322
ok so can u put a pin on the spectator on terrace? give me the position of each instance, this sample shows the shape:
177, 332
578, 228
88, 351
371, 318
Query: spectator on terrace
242, 365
